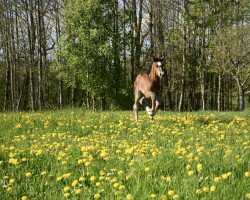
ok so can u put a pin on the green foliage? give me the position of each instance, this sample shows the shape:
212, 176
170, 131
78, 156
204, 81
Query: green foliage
87, 50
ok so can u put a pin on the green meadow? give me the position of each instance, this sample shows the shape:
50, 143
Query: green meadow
75, 154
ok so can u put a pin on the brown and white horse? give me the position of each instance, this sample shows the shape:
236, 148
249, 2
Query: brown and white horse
149, 86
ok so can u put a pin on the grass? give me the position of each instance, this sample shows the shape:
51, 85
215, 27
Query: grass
108, 155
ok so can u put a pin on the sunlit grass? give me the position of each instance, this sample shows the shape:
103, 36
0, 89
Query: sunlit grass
108, 155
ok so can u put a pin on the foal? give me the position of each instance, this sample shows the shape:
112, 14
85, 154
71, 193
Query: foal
148, 86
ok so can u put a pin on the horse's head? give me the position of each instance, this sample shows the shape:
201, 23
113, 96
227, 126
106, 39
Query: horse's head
157, 66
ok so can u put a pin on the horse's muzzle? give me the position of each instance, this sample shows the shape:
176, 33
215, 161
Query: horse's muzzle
161, 74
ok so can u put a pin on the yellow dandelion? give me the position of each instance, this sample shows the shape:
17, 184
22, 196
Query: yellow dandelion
92, 178
198, 191
171, 193
13, 161
247, 174
146, 169
28, 174
121, 187
217, 179
190, 173
78, 191
188, 167
17, 126
12, 181
176, 196
229, 174
66, 175
164, 197
152, 196
129, 197
199, 167
24, 198
247, 195
59, 178
98, 184
66, 194
213, 188
97, 196
9, 189
81, 179
66, 189
116, 185
74, 183
43, 173
120, 173
205, 189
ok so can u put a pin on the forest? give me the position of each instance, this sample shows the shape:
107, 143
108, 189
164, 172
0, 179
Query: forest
86, 53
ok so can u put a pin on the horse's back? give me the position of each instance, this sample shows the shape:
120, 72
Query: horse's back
142, 82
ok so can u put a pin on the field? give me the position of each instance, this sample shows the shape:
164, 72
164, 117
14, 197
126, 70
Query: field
76, 154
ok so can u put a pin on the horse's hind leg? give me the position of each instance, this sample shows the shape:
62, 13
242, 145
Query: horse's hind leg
137, 97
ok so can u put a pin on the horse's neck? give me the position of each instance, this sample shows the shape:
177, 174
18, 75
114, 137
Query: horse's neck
153, 75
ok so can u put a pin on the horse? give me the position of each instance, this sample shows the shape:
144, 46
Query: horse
148, 86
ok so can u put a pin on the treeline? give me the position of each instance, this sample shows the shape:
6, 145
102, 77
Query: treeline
81, 53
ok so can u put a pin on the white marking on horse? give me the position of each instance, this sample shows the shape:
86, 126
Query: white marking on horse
159, 64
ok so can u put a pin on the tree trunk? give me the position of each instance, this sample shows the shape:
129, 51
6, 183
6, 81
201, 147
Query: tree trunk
60, 103
241, 96
72, 97
219, 93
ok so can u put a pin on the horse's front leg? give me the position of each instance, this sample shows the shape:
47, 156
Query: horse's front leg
151, 95
157, 103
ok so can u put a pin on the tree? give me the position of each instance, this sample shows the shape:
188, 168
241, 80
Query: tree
230, 47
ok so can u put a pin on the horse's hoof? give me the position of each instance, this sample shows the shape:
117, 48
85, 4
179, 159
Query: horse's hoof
149, 111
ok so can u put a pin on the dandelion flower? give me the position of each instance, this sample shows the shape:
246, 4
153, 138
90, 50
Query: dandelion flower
190, 173
247, 174
74, 183
43, 173
247, 195
171, 192
164, 197
188, 167
224, 176
66, 194
198, 191
121, 187
217, 179
120, 173
78, 191
205, 189
152, 196
199, 167
212, 188
66, 189
28, 174
92, 178
97, 196
98, 184
12, 181
129, 197
24, 198
176, 196
146, 169
116, 185
81, 179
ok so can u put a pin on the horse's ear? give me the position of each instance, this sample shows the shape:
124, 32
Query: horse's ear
154, 59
